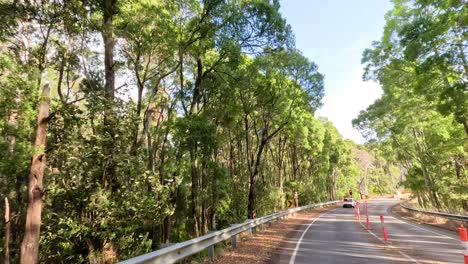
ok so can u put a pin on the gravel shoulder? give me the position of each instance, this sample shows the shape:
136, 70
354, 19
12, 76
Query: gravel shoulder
269, 245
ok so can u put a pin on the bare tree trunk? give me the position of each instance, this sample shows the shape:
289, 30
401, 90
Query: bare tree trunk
6, 245
109, 43
194, 152
108, 9
420, 201
463, 58
281, 147
194, 193
30, 245
427, 180
253, 176
205, 204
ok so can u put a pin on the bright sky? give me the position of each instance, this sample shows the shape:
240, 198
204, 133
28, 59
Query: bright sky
333, 34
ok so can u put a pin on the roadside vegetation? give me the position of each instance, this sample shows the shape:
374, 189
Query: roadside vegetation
421, 121
127, 125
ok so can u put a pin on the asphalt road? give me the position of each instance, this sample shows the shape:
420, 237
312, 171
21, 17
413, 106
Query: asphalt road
336, 237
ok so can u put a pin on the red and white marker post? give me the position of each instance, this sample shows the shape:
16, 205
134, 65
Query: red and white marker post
384, 231
464, 241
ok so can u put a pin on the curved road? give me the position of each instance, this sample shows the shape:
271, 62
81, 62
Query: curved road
336, 237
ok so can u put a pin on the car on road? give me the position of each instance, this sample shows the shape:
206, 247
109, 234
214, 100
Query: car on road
349, 203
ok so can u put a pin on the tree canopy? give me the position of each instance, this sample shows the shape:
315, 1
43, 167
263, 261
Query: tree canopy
421, 119
127, 125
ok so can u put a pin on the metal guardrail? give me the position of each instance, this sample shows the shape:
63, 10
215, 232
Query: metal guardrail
446, 215
187, 248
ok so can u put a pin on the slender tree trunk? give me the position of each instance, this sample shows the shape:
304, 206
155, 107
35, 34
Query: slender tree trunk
108, 9
427, 180
30, 245
167, 229
6, 245
294, 161
205, 205
12, 121
463, 58
194, 152
137, 116
420, 202
252, 197
465, 125
214, 198
253, 176
109, 43
197, 88
194, 193
460, 163
281, 171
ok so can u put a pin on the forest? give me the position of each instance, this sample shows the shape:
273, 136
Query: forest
129, 125
421, 121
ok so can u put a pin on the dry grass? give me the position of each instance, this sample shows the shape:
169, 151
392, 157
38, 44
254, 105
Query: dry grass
441, 222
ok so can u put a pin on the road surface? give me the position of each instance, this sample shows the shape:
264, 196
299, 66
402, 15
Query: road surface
336, 237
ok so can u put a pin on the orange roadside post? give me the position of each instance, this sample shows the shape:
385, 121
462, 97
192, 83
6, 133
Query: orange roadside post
464, 241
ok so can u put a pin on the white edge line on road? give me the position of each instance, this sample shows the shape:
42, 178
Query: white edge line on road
389, 211
390, 246
298, 244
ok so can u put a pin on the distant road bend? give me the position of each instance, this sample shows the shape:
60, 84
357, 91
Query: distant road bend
336, 237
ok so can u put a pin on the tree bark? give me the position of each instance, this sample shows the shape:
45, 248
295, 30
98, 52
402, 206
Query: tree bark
205, 203
427, 180
194, 193
281, 147
109, 43
194, 152
197, 88
6, 245
463, 58
108, 9
253, 176
30, 244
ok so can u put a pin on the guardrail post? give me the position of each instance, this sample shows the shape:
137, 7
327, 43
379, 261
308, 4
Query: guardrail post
234, 241
250, 232
211, 252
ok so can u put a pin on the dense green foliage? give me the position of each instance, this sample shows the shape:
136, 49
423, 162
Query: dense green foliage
421, 121
168, 119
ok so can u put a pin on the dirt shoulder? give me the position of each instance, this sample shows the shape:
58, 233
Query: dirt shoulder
268, 245
421, 218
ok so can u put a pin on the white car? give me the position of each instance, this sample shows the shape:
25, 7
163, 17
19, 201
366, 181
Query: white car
349, 203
